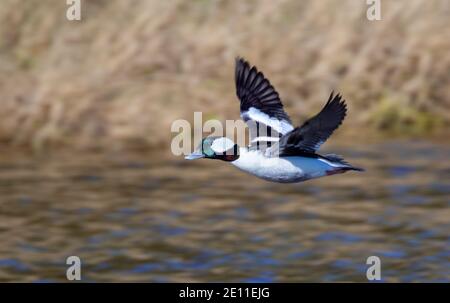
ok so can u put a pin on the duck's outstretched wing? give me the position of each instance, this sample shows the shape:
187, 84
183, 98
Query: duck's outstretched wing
314, 132
261, 107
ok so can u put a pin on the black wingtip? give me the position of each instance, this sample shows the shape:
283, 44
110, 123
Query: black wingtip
330, 98
358, 169
338, 101
240, 61
335, 98
253, 89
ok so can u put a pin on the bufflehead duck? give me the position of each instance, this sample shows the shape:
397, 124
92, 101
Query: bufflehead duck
278, 152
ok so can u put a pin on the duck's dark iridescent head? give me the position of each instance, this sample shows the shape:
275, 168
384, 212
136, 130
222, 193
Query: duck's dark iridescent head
220, 148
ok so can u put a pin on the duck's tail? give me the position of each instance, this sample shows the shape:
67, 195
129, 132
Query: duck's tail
345, 165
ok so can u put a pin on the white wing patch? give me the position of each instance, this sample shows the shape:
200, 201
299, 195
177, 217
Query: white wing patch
221, 145
267, 139
330, 163
281, 126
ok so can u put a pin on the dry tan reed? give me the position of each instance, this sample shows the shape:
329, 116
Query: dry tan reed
129, 68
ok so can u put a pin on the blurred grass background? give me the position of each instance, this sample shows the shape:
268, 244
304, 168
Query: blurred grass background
122, 75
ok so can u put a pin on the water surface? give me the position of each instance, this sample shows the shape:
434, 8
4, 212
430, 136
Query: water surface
152, 218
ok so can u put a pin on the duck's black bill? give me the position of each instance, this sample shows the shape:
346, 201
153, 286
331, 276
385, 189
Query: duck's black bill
194, 156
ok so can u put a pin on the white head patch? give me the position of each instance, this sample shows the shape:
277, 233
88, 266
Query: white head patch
221, 145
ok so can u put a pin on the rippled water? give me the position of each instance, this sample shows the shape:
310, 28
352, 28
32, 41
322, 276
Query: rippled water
143, 217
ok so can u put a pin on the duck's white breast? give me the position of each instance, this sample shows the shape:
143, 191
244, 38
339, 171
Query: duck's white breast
284, 169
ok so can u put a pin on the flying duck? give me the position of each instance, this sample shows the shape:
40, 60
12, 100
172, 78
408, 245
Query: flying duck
278, 151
